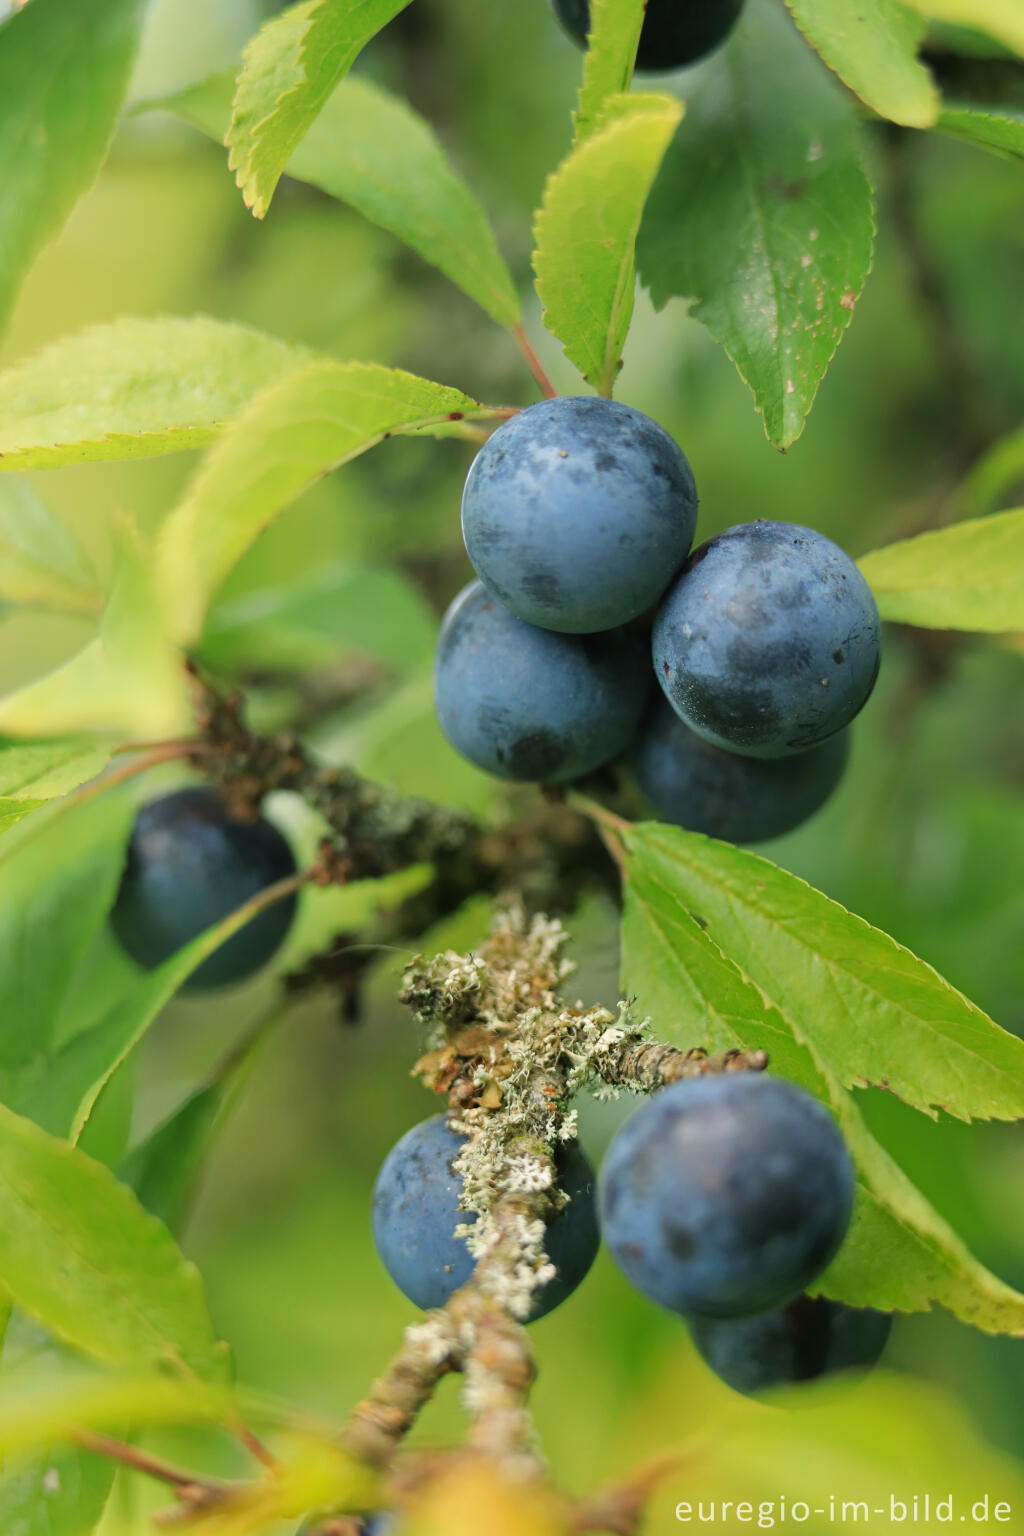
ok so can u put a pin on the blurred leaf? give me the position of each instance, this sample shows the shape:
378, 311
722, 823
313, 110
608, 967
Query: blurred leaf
56, 1493
477, 1494
989, 130
586, 232
762, 214
994, 474
133, 389
289, 436
130, 678
61, 1094
40, 562
162, 1169
56, 888
371, 150
373, 610
609, 59
1003, 19
64, 69
33, 773
35, 1414
899, 1253
967, 576
851, 1454
873, 49
78, 1252
291, 67
870, 1011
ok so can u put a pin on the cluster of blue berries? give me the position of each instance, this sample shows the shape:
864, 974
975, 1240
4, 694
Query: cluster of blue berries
675, 32
578, 517
722, 1198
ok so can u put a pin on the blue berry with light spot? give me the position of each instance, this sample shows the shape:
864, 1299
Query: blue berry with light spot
726, 1195
578, 512
527, 704
769, 641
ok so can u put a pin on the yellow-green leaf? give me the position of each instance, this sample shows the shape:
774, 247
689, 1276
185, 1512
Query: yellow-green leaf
291, 67
129, 678
1003, 19
79, 1253
64, 68
968, 576
609, 59
586, 232
41, 563
873, 46
290, 435
134, 389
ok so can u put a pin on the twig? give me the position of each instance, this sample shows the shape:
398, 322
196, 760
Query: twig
141, 1461
536, 366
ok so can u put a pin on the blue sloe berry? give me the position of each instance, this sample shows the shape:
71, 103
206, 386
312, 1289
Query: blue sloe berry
416, 1211
768, 643
527, 704
726, 1195
693, 784
190, 864
578, 512
809, 1338
675, 32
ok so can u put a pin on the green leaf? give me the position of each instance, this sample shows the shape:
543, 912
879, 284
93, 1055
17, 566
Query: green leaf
130, 678
609, 59
967, 576
1003, 19
291, 435
40, 562
873, 1012
57, 883
872, 47
899, 1253
370, 150
79, 1253
134, 389
61, 1094
762, 214
163, 1168
58, 1492
291, 67
32, 774
64, 68
993, 476
36, 1414
586, 232
373, 610
989, 130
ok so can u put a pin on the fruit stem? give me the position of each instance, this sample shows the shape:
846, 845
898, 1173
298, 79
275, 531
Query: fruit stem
536, 366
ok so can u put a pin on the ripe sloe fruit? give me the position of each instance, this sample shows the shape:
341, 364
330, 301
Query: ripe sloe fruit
809, 1338
416, 1211
190, 864
674, 33
527, 704
726, 1195
769, 641
696, 785
578, 512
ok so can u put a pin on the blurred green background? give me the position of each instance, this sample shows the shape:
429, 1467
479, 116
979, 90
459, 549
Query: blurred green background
925, 838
